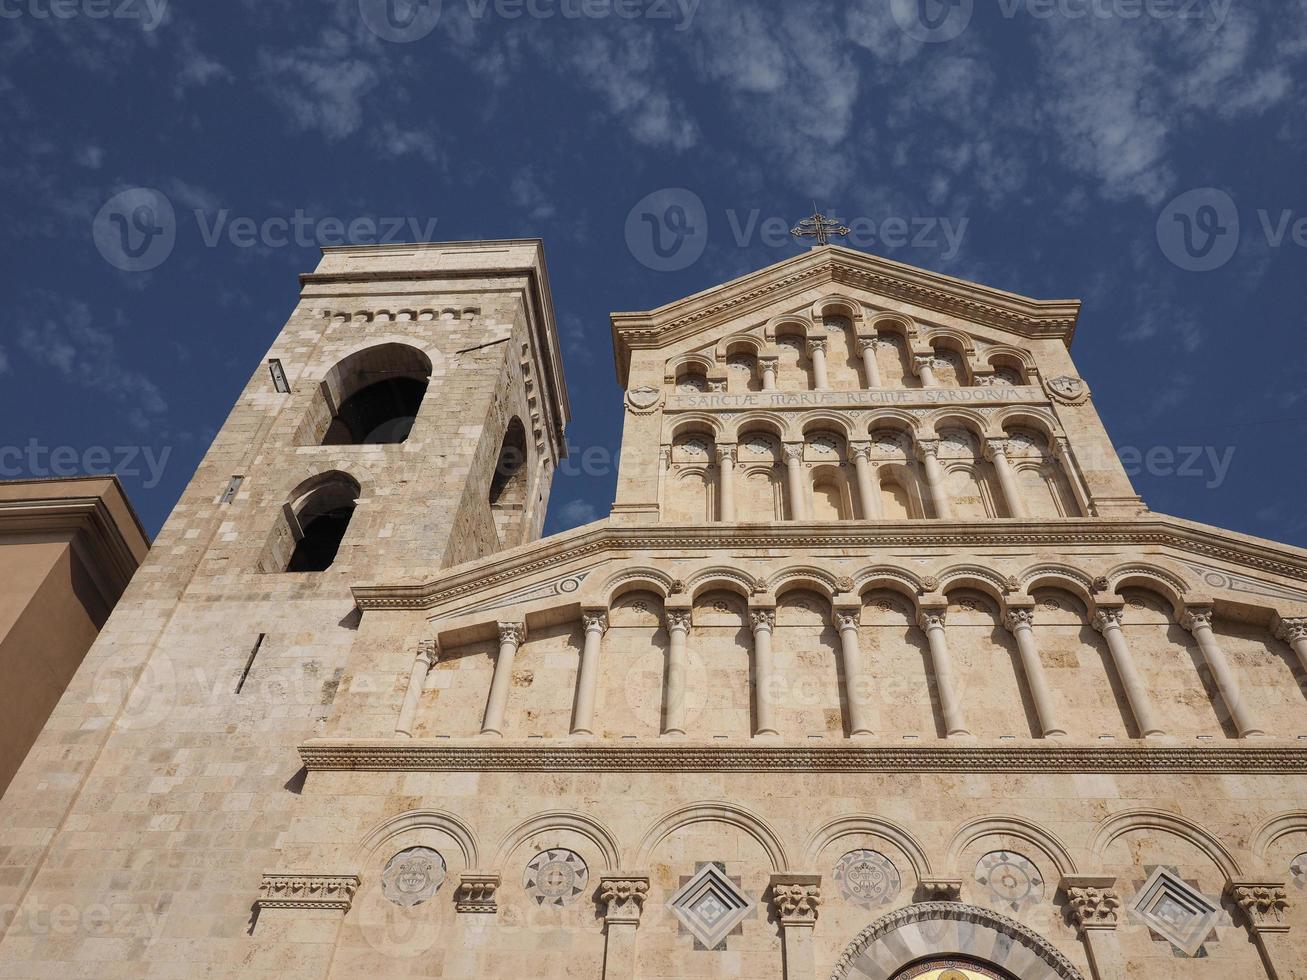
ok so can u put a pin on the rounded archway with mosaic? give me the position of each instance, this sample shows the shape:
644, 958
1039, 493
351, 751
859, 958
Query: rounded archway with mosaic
951, 969
556, 877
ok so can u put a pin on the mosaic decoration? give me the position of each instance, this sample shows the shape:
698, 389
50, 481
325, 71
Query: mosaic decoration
1011, 880
556, 877
710, 906
412, 876
824, 444
867, 879
1175, 910
1298, 870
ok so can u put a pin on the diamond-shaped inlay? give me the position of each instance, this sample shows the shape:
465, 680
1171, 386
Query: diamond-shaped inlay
710, 905
1175, 910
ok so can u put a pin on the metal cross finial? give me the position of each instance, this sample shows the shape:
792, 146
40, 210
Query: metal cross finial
819, 227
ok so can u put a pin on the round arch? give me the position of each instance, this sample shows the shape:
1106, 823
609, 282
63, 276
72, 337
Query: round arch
1007, 826
868, 825
1168, 823
439, 820
896, 940
595, 832
720, 577
727, 813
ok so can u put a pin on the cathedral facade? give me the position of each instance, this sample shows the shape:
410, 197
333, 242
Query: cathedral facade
879, 668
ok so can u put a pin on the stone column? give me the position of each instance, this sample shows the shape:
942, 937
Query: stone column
623, 896
422, 664
511, 636
796, 901
1092, 902
847, 619
1294, 633
924, 366
996, 450
1198, 621
1020, 620
726, 482
1264, 904
678, 628
664, 465
928, 453
768, 366
868, 494
817, 351
1062, 453
1107, 620
763, 621
794, 481
870, 369
596, 625
931, 620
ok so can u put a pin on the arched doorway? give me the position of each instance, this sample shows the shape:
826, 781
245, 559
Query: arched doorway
966, 943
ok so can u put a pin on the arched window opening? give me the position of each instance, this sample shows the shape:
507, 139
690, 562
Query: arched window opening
371, 397
508, 483
313, 523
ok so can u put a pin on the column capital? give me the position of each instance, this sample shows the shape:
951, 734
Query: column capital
793, 452
796, 899
514, 633
1092, 900
623, 896
922, 362
595, 620
930, 618
1106, 618
927, 448
769, 362
1020, 617
428, 651
862, 450
1196, 618
1290, 630
1264, 903
846, 619
727, 452
678, 619
762, 620
816, 344
995, 446
866, 343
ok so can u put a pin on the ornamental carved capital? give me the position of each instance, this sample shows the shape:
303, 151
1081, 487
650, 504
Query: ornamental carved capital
678, 620
596, 620
717, 386
762, 620
1291, 630
1197, 619
866, 343
846, 620
1107, 619
860, 450
994, 448
816, 345
923, 362
1092, 907
623, 896
796, 899
794, 452
769, 364
929, 619
1016, 619
514, 633
727, 454
427, 652
927, 449
1263, 903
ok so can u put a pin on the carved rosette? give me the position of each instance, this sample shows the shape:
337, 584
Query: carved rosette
1067, 389
1264, 904
308, 891
623, 897
476, 892
930, 584
1093, 908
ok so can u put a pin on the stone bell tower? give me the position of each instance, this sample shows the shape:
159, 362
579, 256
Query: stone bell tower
409, 416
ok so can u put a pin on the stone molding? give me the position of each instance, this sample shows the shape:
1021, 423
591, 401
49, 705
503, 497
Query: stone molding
619, 542
623, 896
941, 889
476, 892
306, 890
447, 755
1263, 903
1007, 928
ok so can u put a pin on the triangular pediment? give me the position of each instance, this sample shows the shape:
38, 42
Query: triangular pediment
841, 270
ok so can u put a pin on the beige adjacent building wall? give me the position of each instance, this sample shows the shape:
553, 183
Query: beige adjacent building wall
68, 548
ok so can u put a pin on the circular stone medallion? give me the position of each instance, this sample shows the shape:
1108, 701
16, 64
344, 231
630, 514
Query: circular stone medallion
1010, 879
867, 878
556, 877
412, 876
1298, 869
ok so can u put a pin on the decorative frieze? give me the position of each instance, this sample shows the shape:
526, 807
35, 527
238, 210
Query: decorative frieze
305, 890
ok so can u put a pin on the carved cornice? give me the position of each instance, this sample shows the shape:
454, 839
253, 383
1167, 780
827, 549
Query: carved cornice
1154, 531
305, 890
843, 266
447, 755
476, 892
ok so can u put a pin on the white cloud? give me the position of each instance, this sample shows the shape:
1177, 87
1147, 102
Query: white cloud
90, 156
4, 361
576, 512
64, 337
394, 141
321, 87
528, 195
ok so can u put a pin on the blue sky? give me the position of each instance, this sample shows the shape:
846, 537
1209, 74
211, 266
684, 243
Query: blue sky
1143, 155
